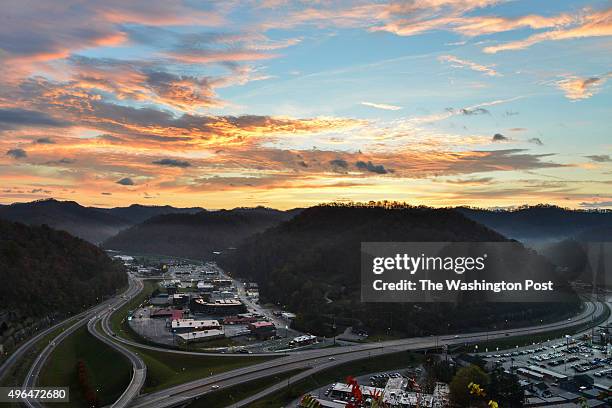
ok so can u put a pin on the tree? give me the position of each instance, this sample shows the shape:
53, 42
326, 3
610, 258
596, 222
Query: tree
308, 401
459, 386
505, 389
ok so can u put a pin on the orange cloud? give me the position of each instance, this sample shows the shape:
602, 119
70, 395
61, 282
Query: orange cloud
577, 88
593, 24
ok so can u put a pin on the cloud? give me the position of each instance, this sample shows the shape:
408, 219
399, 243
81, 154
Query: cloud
185, 92
16, 117
64, 160
17, 153
462, 63
379, 169
471, 181
381, 106
172, 163
88, 110
126, 181
339, 163
596, 204
498, 137
474, 111
589, 24
62, 30
600, 158
577, 88
44, 140
535, 141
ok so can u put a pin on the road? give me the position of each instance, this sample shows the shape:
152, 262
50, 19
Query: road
139, 368
31, 379
25, 347
316, 360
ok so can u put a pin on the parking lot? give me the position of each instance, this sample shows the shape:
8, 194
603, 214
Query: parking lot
561, 356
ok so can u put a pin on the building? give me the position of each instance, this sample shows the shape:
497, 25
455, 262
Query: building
199, 336
222, 283
395, 394
161, 299
240, 319
219, 307
263, 330
180, 299
161, 314
205, 287
191, 325
301, 341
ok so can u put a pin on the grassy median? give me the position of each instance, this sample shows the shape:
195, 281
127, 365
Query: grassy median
108, 372
166, 369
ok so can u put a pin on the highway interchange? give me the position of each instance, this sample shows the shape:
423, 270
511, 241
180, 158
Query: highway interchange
309, 361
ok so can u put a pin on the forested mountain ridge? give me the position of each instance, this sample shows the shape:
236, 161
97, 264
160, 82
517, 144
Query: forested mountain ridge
196, 235
87, 223
540, 222
45, 270
137, 213
90, 223
314, 258
47, 273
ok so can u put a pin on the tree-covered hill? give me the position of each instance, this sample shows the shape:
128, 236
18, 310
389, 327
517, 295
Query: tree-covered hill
45, 271
311, 264
84, 222
540, 222
196, 236
90, 223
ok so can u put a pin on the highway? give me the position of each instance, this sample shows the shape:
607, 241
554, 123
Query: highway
139, 368
311, 361
597, 310
316, 360
25, 347
31, 379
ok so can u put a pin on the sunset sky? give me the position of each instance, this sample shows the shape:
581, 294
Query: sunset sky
285, 104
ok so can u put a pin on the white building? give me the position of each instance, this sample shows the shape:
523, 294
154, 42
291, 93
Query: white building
197, 336
191, 325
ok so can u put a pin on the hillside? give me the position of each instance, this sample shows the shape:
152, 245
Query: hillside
540, 223
196, 235
137, 213
87, 223
47, 273
90, 223
311, 264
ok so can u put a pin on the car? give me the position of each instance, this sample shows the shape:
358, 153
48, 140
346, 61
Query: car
215, 387
331, 358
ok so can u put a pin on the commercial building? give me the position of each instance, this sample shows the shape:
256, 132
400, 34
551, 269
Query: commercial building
303, 340
240, 319
191, 325
199, 336
219, 307
263, 330
396, 395
205, 287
